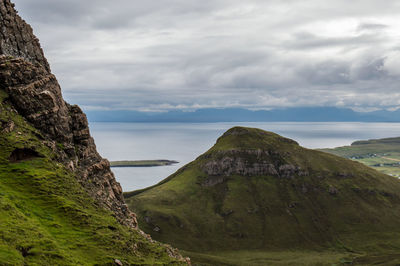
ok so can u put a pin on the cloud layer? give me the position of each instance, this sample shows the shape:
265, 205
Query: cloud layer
189, 54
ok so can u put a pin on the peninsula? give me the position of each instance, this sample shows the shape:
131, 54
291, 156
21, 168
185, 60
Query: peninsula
142, 163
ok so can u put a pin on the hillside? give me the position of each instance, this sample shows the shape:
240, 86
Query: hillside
47, 218
256, 197
59, 201
380, 154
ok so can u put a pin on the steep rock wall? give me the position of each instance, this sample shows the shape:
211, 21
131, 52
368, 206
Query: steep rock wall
17, 38
35, 93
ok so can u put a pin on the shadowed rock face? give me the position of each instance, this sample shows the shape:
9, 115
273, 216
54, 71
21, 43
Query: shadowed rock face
249, 163
23, 154
35, 94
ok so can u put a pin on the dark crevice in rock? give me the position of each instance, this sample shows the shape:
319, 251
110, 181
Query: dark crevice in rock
23, 154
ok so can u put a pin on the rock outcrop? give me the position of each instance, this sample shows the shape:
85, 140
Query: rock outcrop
17, 38
250, 163
36, 95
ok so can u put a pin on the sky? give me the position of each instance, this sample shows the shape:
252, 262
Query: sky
187, 54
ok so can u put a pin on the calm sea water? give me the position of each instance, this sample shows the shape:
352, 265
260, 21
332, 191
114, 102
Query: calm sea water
183, 142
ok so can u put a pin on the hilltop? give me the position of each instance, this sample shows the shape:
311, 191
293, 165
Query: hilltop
265, 198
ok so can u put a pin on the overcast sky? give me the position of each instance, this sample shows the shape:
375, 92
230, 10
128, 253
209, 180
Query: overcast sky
189, 54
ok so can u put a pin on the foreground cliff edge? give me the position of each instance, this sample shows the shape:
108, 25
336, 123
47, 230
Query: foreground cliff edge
59, 202
256, 198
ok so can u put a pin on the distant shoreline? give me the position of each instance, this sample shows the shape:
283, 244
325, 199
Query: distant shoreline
142, 163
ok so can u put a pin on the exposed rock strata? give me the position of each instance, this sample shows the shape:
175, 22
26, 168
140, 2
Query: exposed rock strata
17, 38
35, 93
248, 163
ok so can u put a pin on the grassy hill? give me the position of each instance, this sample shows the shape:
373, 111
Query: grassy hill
256, 198
46, 217
380, 154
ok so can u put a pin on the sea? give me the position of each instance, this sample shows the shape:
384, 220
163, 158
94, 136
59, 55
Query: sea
184, 142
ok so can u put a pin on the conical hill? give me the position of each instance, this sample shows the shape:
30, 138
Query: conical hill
257, 190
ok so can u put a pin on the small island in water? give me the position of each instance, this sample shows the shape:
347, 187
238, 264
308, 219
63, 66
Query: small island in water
142, 163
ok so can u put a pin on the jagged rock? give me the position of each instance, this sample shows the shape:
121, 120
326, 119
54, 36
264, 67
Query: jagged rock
247, 163
157, 229
118, 262
230, 165
36, 95
17, 38
8, 127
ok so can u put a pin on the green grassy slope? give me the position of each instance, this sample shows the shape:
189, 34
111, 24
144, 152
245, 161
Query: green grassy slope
381, 154
46, 218
338, 206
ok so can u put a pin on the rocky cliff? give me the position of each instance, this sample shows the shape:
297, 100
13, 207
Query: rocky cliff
35, 93
17, 38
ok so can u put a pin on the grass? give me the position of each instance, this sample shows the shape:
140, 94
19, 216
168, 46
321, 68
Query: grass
260, 257
46, 218
258, 220
381, 154
295, 258
142, 163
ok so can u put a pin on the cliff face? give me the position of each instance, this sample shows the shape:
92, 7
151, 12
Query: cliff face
17, 37
36, 95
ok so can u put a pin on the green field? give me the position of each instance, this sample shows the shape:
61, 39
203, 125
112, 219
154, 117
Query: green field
380, 154
142, 163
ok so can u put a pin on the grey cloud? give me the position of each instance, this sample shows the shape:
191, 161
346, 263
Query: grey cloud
188, 54
305, 40
327, 73
371, 27
373, 69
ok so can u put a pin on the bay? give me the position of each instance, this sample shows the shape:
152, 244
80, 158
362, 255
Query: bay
184, 142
